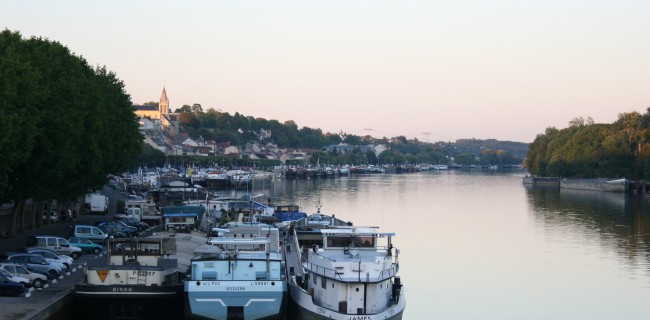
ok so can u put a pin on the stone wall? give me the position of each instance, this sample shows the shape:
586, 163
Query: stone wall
541, 181
620, 185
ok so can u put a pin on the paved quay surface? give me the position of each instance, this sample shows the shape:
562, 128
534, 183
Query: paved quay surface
37, 304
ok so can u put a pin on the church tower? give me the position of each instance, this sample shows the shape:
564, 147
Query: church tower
163, 106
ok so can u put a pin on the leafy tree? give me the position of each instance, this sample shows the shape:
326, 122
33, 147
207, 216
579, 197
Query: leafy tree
197, 109
465, 159
151, 103
352, 140
80, 120
372, 157
589, 150
188, 119
20, 116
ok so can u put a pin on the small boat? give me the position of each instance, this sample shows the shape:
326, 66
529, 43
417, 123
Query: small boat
238, 276
338, 271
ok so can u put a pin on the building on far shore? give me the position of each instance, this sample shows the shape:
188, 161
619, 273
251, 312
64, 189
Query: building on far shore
161, 131
159, 126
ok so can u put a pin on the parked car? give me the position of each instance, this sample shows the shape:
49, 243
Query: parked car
18, 279
132, 222
137, 231
27, 267
117, 229
111, 232
86, 245
53, 216
36, 280
52, 256
35, 262
56, 244
11, 287
91, 233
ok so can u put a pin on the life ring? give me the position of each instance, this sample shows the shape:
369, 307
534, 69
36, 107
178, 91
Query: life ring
149, 198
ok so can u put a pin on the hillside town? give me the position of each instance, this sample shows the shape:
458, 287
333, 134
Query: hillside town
161, 130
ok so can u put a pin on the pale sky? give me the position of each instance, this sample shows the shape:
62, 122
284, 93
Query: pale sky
432, 70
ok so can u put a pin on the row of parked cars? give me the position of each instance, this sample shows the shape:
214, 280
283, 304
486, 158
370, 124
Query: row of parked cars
45, 258
123, 227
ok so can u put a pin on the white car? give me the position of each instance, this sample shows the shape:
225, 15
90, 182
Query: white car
36, 280
53, 257
13, 278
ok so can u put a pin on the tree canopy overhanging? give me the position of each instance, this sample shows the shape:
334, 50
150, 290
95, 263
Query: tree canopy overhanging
64, 124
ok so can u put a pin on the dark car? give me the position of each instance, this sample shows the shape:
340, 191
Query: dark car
86, 245
132, 222
127, 226
117, 229
10, 287
112, 232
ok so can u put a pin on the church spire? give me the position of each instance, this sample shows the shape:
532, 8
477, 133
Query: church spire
164, 103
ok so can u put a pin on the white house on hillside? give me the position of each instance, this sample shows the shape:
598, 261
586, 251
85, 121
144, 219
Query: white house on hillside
190, 143
378, 149
231, 150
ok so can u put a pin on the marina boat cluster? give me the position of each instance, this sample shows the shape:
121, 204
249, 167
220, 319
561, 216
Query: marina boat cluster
315, 267
190, 181
211, 178
296, 266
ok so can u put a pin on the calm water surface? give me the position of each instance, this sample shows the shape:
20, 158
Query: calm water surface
477, 245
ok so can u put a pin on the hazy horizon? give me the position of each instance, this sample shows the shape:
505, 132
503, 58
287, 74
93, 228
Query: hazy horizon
503, 70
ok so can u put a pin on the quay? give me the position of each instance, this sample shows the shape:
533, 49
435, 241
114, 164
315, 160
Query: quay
58, 300
607, 185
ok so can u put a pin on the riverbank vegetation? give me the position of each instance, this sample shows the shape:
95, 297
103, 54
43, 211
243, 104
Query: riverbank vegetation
238, 129
64, 123
589, 150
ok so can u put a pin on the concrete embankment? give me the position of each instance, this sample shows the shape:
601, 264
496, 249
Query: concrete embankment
542, 181
606, 185
620, 185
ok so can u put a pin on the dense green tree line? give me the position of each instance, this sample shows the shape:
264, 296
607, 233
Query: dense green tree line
152, 158
423, 154
64, 125
589, 150
239, 129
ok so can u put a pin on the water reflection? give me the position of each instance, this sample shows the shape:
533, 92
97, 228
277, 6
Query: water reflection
617, 221
481, 245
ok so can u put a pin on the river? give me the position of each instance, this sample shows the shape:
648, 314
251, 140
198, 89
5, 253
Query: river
481, 245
